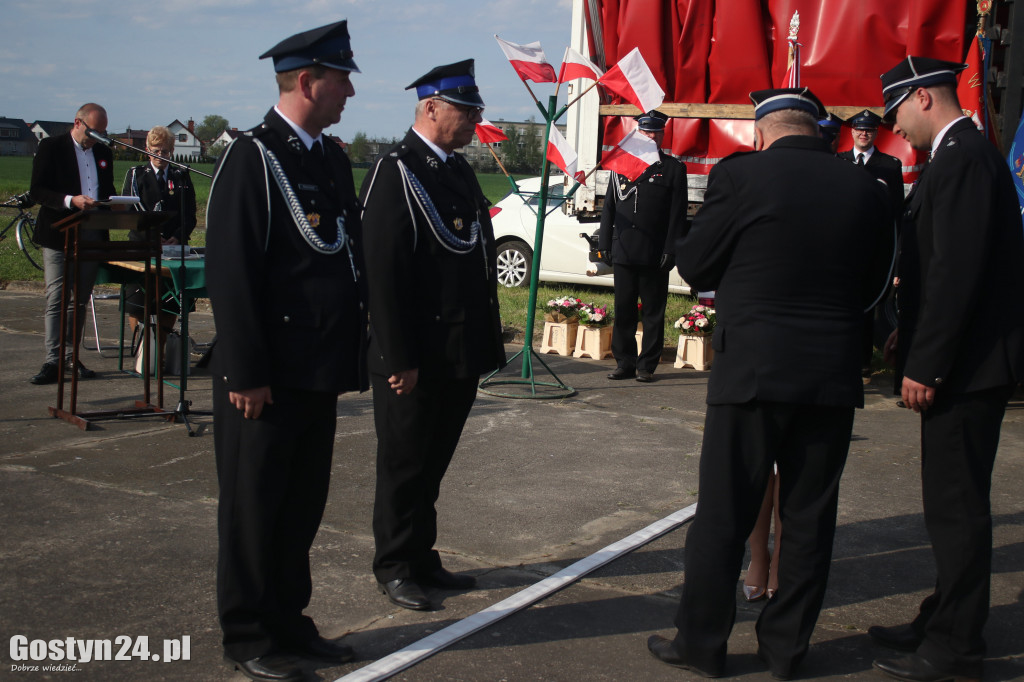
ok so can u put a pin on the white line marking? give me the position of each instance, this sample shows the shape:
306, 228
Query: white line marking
384, 668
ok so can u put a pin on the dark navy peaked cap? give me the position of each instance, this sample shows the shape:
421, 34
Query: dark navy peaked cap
327, 46
453, 83
777, 99
913, 73
653, 121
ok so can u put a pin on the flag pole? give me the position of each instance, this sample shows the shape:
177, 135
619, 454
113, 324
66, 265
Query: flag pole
577, 99
528, 354
496, 159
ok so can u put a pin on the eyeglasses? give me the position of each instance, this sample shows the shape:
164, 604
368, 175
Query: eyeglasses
469, 111
162, 152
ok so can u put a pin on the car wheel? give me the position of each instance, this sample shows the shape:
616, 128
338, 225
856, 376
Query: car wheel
515, 261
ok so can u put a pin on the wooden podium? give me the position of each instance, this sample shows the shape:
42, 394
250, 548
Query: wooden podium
78, 251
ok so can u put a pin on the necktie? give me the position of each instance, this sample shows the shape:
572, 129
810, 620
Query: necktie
317, 149
860, 159
161, 180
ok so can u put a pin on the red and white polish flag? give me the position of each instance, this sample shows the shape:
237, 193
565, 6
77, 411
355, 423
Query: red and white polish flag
632, 156
632, 78
562, 155
575, 65
528, 61
487, 132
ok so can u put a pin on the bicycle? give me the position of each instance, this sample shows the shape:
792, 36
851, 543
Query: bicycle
24, 225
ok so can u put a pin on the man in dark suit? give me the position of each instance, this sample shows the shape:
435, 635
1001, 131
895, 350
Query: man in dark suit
882, 167
639, 225
787, 237
430, 262
283, 269
69, 173
160, 187
959, 349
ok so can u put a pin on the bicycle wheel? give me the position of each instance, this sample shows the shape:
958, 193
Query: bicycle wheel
26, 231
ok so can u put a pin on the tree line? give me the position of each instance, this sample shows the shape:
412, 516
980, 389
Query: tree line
521, 153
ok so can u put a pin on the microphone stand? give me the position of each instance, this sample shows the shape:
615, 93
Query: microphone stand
183, 408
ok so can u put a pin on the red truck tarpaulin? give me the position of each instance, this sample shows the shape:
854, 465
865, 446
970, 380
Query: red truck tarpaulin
718, 51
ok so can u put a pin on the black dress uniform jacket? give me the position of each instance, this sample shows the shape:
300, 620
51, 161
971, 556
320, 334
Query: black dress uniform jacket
643, 225
430, 309
781, 266
178, 195
55, 175
286, 315
962, 221
884, 167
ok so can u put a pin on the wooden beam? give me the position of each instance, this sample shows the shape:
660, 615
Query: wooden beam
696, 110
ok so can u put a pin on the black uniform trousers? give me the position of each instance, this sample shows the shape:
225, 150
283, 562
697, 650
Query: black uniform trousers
650, 285
959, 439
274, 474
417, 435
741, 443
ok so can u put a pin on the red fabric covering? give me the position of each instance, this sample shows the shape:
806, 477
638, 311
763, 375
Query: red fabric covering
718, 52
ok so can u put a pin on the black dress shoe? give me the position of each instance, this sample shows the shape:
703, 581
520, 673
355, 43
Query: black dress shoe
447, 580
622, 373
644, 377
406, 593
916, 668
47, 375
324, 649
272, 668
898, 637
665, 651
84, 372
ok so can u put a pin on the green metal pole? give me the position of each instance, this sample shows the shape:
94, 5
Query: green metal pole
538, 241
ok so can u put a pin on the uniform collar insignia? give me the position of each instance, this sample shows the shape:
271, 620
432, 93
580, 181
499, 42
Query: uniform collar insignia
433, 161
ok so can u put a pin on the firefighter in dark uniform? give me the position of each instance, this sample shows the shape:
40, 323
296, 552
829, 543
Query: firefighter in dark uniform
830, 127
959, 350
639, 225
786, 376
430, 262
889, 170
283, 270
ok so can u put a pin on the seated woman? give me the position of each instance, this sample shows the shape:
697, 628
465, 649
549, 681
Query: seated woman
160, 187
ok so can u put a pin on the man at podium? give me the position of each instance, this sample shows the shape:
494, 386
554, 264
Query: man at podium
70, 173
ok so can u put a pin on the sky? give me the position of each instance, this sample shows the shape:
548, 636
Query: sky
201, 57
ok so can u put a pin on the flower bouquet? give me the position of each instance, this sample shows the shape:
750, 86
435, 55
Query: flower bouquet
592, 315
564, 309
699, 320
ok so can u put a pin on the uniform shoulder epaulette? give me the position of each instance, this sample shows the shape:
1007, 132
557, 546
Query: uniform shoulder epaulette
399, 151
259, 131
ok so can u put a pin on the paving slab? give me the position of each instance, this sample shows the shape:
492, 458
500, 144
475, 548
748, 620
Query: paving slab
112, 532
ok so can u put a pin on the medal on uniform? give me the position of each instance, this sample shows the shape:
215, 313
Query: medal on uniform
458, 223
170, 187
622, 186
314, 219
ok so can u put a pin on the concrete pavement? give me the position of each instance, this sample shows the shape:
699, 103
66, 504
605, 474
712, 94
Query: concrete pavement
112, 532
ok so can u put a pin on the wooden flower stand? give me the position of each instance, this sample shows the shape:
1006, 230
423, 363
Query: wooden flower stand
559, 337
694, 351
593, 342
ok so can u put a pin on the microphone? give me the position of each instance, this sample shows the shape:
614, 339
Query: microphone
95, 134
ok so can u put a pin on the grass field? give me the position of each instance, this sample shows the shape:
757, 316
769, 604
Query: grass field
15, 175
